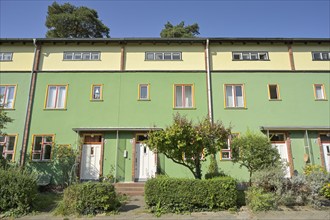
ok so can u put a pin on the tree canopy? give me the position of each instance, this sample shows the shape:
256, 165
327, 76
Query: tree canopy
4, 119
69, 21
254, 151
187, 143
180, 30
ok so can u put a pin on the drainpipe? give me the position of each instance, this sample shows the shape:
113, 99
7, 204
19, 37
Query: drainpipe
30, 101
310, 153
116, 159
208, 77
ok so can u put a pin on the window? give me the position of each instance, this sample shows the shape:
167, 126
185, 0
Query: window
250, 55
273, 92
42, 147
319, 92
7, 96
234, 96
225, 152
163, 56
144, 92
97, 94
56, 97
6, 56
277, 137
183, 96
78, 55
325, 55
8, 146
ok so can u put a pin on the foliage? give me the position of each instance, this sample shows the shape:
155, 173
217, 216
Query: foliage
325, 191
179, 31
309, 169
17, 192
65, 158
88, 198
259, 200
110, 177
254, 151
187, 144
213, 170
47, 201
68, 21
4, 120
181, 195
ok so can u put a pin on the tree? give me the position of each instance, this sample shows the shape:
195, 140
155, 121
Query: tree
254, 151
179, 31
188, 144
4, 119
69, 21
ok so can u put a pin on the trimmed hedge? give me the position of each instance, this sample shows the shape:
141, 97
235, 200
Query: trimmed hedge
18, 190
180, 195
88, 198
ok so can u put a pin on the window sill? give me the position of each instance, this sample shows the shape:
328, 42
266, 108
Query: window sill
238, 108
188, 108
163, 60
55, 109
82, 60
321, 99
250, 60
274, 99
96, 100
144, 100
6, 60
9, 109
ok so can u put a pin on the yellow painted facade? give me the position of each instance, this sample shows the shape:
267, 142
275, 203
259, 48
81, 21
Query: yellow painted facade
221, 57
22, 59
193, 57
303, 59
51, 58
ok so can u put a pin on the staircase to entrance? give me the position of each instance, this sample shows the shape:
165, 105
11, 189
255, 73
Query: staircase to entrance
131, 189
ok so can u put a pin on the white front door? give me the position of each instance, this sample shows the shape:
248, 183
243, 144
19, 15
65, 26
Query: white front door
90, 162
145, 162
283, 151
326, 152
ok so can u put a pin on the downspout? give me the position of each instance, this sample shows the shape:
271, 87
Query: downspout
30, 101
208, 77
310, 153
116, 159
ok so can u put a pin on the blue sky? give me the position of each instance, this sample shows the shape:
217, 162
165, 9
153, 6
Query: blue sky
216, 18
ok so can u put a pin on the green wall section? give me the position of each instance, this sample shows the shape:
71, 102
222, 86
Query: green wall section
22, 80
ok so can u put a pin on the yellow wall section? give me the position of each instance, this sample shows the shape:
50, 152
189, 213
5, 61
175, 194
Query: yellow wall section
52, 57
22, 58
303, 59
192, 57
221, 57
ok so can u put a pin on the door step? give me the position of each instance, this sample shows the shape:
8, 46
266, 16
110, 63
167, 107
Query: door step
131, 189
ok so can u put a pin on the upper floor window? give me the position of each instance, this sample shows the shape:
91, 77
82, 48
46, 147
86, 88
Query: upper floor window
97, 93
252, 55
273, 92
319, 92
7, 147
163, 56
6, 56
7, 96
234, 96
183, 96
144, 93
42, 147
92, 55
324, 55
56, 97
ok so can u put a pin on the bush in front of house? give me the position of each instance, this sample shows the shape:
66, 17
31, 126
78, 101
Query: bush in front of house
89, 198
181, 195
18, 191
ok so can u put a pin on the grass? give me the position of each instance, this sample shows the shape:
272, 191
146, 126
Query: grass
47, 201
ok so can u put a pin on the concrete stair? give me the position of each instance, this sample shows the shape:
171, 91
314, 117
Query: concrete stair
131, 189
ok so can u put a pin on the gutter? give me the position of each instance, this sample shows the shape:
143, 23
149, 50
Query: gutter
208, 78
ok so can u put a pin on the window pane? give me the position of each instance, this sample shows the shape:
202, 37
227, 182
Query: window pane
159, 56
273, 92
236, 56
7, 56
37, 143
150, 56
51, 97
36, 156
263, 56
319, 92
246, 56
61, 97
325, 56
229, 97
77, 56
176, 56
11, 143
95, 56
47, 152
188, 96
254, 56
317, 56
96, 92
2, 139
48, 139
167, 56
143, 92
178, 96
2, 94
86, 56
239, 96
68, 56
10, 97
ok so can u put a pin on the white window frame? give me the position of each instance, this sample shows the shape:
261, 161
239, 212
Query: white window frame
5, 144
56, 102
43, 144
250, 55
228, 149
322, 56
234, 96
140, 93
184, 103
81, 55
6, 56
4, 102
323, 95
161, 56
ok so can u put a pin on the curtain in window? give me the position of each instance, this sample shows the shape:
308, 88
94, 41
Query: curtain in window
61, 97
178, 96
239, 96
188, 96
318, 92
229, 96
10, 96
51, 97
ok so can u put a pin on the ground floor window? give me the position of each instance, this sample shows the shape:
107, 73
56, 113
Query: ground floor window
42, 147
225, 152
7, 147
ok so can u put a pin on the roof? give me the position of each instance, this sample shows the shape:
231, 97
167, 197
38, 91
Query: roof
103, 129
295, 128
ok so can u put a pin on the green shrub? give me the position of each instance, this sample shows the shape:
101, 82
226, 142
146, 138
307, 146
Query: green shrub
180, 195
259, 200
88, 198
18, 190
325, 191
308, 169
